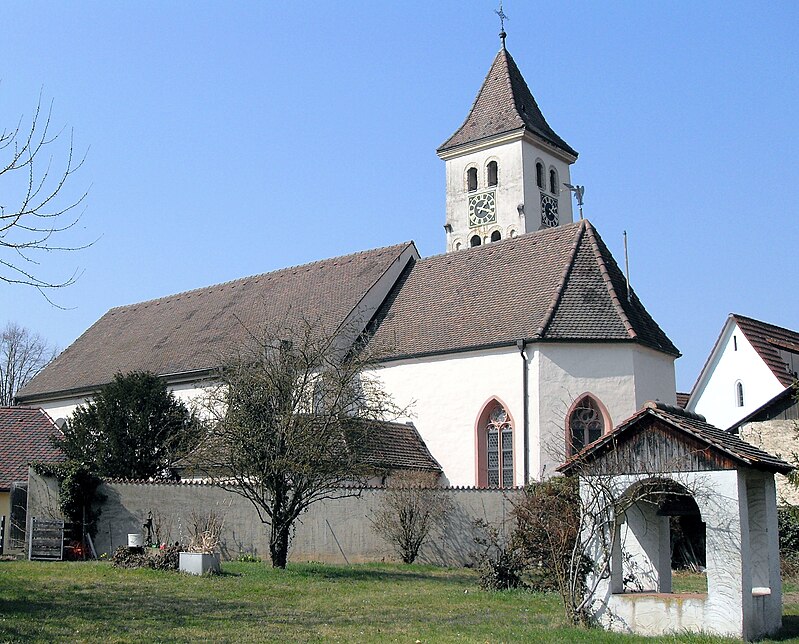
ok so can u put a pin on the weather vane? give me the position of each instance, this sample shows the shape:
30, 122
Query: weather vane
578, 191
502, 19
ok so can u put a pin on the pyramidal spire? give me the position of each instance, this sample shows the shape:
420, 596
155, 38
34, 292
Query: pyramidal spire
504, 104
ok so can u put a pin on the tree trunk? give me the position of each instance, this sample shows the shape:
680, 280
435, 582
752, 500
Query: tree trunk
279, 544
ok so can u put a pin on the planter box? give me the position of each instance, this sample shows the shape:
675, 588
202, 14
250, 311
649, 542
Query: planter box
199, 563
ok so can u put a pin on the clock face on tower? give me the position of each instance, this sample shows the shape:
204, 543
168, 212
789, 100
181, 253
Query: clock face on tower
549, 211
482, 209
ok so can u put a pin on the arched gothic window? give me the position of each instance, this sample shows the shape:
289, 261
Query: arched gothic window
471, 179
739, 393
586, 424
553, 181
492, 173
475, 241
496, 236
539, 175
494, 446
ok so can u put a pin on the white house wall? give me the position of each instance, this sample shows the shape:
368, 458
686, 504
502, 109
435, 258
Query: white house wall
715, 395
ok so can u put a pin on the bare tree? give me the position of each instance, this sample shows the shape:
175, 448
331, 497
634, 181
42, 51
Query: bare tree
291, 415
410, 510
23, 354
32, 212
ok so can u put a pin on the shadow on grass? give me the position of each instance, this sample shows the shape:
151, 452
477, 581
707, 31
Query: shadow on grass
789, 630
361, 573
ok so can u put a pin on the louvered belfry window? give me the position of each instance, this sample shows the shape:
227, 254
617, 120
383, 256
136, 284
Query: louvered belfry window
585, 424
499, 448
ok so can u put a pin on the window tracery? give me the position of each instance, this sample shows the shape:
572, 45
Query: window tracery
586, 424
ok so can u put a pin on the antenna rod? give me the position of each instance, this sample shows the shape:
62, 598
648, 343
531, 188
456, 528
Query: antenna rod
626, 265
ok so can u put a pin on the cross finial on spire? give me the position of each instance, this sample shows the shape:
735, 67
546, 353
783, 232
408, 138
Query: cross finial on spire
502, 19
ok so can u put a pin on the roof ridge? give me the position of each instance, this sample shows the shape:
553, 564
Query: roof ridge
738, 316
238, 280
603, 270
550, 312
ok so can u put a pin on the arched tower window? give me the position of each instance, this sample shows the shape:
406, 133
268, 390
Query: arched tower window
739, 393
539, 174
496, 236
492, 173
586, 424
475, 241
495, 447
471, 179
553, 181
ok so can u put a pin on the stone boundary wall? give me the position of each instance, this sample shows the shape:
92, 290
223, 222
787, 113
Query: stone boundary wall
781, 438
332, 531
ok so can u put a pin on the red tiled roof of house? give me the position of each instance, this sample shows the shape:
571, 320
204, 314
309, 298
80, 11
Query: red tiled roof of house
682, 399
25, 434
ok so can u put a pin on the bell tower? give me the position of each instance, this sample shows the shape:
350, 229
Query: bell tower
505, 165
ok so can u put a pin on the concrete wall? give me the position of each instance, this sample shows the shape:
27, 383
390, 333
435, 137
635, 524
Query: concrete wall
332, 531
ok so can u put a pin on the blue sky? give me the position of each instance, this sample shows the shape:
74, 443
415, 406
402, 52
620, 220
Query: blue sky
228, 139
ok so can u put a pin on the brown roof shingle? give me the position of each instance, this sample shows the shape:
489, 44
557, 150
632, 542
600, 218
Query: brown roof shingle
559, 284
192, 331
25, 435
504, 104
768, 340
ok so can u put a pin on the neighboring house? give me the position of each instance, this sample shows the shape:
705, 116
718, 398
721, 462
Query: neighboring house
751, 363
25, 435
774, 427
517, 347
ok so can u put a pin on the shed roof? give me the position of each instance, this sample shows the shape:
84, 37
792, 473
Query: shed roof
683, 425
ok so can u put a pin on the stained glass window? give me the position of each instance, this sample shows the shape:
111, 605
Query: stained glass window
585, 424
499, 452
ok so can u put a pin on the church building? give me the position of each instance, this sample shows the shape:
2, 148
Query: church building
516, 347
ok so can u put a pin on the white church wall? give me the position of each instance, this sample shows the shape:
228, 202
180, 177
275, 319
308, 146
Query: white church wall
63, 407
733, 360
566, 372
654, 377
445, 396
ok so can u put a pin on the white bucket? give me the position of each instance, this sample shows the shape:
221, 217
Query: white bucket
135, 540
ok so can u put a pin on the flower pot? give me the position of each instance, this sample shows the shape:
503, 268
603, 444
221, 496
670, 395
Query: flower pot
199, 563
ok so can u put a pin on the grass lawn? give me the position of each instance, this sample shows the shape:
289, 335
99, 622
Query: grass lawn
306, 603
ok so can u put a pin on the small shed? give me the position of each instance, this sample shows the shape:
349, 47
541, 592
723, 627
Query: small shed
665, 462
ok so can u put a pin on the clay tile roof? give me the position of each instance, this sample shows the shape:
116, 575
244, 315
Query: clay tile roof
398, 446
682, 399
192, 331
694, 426
24, 437
504, 104
769, 341
559, 284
